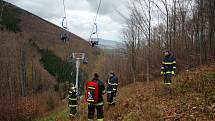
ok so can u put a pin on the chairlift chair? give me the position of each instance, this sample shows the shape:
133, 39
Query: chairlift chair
64, 35
92, 41
85, 60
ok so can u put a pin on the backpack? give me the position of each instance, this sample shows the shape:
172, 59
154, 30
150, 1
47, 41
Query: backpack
92, 92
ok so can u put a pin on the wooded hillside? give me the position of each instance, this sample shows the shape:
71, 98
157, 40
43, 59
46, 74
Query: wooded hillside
35, 73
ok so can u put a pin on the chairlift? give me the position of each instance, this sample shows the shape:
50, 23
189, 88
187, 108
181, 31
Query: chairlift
64, 35
94, 42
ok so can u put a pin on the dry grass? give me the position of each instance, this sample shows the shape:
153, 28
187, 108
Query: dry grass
183, 101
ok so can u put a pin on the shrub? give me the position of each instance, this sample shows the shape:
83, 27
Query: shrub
11, 17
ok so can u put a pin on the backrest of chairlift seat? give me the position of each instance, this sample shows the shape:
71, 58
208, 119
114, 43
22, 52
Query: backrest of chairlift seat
64, 36
97, 42
93, 44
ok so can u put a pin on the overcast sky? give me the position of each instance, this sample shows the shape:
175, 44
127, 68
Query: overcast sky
80, 15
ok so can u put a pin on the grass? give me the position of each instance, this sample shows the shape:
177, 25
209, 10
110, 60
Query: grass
191, 99
61, 115
132, 116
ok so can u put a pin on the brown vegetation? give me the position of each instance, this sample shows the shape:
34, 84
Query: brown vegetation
190, 98
184, 27
26, 88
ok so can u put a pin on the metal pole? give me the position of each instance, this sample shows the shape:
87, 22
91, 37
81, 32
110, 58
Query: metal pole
78, 60
71, 76
77, 73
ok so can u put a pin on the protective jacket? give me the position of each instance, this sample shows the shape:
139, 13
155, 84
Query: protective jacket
72, 101
99, 105
112, 84
101, 89
168, 65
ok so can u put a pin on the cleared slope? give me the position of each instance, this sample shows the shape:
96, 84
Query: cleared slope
190, 98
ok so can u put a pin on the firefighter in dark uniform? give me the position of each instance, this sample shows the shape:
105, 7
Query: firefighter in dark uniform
72, 101
100, 103
112, 88
168, 67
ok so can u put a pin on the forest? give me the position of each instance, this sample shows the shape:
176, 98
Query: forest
183, 27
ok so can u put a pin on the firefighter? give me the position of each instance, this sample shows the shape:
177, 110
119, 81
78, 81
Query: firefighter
72, 100
95, 89
168, 67
112, 88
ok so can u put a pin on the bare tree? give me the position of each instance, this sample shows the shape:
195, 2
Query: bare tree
131, 45
186, 29
22, 68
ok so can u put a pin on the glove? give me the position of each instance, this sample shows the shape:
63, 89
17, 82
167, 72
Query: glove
173, 72
162, 72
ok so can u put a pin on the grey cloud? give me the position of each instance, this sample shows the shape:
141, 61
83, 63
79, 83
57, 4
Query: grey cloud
80, 14
110, 8
107, 6
77, 5
44, 8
